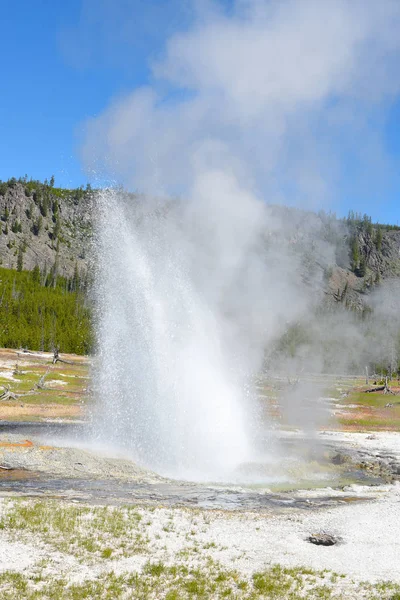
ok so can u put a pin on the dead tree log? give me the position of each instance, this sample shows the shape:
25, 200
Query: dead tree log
381, 388
40, 385
56, 358
8, 394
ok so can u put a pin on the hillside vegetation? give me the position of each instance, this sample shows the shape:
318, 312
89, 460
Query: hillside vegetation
42, 317
46, 258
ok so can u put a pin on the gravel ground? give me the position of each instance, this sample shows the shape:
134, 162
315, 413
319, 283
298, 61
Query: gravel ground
369, 547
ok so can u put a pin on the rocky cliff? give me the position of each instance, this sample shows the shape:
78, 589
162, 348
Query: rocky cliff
44, 226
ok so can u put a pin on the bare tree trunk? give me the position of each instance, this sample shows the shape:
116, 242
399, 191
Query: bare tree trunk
381, 388
56, 358
8, 394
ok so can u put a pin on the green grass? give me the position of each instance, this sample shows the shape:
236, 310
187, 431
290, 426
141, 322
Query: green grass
78, 529
376, 400
180, 582
363, 410
63, 384
377, 424
51, 397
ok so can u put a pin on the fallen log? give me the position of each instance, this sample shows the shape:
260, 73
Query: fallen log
56, 358
40, 385
8, 394
381, 388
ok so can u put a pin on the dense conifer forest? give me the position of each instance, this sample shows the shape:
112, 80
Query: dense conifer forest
43, 313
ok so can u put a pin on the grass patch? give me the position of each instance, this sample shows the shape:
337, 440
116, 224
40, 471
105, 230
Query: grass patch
369, 411
64, 385
371, 423
79, 529
161, 582
373, 399
45, 398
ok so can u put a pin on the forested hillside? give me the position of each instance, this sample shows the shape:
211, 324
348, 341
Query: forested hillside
45, 235
47, 261
43, 317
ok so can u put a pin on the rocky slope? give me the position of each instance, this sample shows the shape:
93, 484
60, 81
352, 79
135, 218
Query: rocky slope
44, 226
53, 227
350, 284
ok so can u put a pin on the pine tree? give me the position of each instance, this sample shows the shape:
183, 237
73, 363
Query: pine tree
36, 274
20, 258
5, 215
354, 253
378, 239
37, 225
362, 268
56, 229
44, 206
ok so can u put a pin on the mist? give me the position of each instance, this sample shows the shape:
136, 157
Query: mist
199, 277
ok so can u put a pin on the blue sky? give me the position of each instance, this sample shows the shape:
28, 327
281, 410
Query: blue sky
61, 65
46, 93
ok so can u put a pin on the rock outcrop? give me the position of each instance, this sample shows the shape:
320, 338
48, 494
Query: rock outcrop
47, 227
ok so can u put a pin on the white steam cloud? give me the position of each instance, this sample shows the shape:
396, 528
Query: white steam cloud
280, 93
261, 103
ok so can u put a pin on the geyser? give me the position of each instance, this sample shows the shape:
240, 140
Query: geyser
175, 336
279, 96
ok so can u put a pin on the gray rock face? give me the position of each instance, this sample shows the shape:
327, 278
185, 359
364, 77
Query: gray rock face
385, 261
51, 232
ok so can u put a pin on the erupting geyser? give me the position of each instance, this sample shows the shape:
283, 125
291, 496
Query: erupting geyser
174, 356
242, 100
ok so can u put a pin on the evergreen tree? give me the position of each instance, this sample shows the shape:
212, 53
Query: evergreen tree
20, 258
354, 253
29, 211
362, 268
36, 274
37, 225
5, 215
44, 206
56, 229
16, 227
378, 239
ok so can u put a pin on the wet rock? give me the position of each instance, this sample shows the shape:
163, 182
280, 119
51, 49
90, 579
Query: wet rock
340, 459
322, 539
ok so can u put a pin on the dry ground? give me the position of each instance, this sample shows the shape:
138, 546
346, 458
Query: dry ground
55, 550
44, 391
